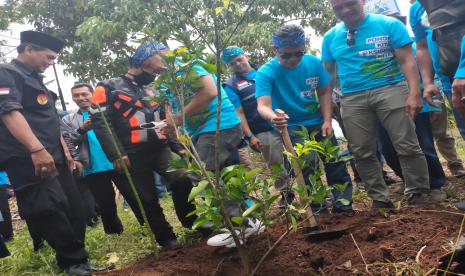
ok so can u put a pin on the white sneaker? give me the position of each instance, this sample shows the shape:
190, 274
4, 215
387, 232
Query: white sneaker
256, 227
225, 238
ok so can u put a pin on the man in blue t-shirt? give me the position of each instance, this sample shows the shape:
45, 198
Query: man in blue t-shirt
260, 134
374, 57
297, 83
428, 63
90, 159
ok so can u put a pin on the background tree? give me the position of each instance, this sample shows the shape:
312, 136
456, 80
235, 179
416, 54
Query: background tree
100, 34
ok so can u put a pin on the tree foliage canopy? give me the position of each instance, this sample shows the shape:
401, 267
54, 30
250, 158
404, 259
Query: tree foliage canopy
101, 34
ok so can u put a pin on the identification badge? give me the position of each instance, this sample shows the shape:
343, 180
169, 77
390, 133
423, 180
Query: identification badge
42, 98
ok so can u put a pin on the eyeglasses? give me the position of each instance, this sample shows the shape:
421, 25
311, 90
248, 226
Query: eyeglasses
299, 54
350, 40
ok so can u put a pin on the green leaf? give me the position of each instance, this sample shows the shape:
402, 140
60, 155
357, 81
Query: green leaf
218, 10
197, 189
250, 210
344, 201
252, 173
237, 220
199, 222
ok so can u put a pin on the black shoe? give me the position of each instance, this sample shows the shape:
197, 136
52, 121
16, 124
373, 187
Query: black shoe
171, 244
382, 204
418, 199
86, 269
79, 270
345, 209
287, 198
460, 205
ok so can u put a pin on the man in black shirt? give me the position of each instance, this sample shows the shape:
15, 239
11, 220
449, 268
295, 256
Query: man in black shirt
33, 155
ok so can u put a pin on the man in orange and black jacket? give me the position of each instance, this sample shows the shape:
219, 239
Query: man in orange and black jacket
143, 149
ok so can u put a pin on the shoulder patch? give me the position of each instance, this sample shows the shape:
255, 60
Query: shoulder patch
4, 91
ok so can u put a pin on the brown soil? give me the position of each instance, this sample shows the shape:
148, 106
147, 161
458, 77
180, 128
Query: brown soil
393, 237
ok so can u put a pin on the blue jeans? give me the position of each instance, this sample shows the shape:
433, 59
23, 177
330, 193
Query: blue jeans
437, 176
336, 172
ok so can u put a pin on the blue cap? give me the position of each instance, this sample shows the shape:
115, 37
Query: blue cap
229, 53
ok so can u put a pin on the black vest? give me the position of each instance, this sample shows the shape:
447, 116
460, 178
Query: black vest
245, 90
447, 20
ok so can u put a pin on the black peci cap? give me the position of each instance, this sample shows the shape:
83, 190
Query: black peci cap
42, 39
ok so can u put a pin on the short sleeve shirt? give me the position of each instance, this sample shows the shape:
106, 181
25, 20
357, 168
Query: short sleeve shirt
22, 89
294, 89
369, 63
460, 74
206, 121
98, 160
419, 23
4, 178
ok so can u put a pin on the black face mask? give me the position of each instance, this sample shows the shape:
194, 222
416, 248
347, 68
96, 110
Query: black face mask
144, 78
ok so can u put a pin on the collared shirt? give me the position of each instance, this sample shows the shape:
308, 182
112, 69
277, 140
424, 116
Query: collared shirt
22, 89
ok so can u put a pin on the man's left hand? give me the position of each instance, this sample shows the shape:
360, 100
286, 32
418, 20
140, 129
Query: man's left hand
413, 105
430, 91
458, 93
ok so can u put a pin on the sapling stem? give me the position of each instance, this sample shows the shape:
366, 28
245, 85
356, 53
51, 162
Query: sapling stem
127, 173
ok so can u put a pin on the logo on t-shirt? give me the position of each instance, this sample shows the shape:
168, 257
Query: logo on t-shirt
382, 47
313, 82
42, 98
242, 84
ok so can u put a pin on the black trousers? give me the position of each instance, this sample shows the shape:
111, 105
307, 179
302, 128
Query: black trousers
52, 208
101, 186
157, 158
88, 201
6, 227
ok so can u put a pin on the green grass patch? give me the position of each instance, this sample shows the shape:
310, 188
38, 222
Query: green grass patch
132, 245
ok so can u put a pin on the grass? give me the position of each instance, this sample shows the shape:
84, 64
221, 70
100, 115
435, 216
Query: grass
130, 246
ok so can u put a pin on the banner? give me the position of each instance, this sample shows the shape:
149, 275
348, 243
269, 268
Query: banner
386, 7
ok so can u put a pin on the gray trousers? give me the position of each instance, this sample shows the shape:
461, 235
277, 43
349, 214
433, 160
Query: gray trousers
362, 113
229, 140
272, 152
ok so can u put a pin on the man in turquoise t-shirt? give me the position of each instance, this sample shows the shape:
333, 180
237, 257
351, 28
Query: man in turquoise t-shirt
298, 84
90, 159
260, 134
428, 63
374, 57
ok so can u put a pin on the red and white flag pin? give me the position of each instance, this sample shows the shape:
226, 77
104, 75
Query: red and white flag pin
4, 91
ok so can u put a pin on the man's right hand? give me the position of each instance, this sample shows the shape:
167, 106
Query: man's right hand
86, 125
117, 164
279, 121
44, 165
79, 167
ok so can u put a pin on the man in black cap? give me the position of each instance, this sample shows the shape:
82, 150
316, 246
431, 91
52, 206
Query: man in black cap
33, 155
